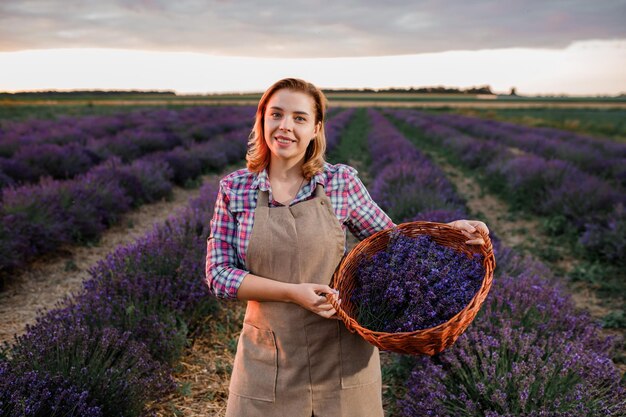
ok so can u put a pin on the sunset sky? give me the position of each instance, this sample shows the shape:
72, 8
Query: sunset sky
192, 46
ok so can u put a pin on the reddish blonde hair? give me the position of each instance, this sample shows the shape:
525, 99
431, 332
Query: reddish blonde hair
258, 154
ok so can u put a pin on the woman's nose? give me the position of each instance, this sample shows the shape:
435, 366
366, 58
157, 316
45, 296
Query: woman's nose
285, 124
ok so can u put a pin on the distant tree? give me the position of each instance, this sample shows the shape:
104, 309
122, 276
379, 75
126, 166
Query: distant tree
513, 91
485, 89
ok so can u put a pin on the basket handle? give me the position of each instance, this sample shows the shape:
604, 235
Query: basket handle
348, 321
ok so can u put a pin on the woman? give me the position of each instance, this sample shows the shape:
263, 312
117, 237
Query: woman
277, 234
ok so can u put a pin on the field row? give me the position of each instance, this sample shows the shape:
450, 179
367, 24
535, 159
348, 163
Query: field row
528, 352
110, 349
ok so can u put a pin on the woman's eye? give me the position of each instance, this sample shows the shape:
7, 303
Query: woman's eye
301, 118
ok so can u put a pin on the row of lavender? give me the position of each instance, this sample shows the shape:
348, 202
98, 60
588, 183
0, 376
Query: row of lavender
67, 147
577, 203
37, 219
528, 352
604, 158
109, 350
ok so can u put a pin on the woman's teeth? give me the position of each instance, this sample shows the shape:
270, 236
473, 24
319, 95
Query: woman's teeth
284, 140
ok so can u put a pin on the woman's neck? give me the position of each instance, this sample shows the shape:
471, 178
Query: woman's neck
283, 171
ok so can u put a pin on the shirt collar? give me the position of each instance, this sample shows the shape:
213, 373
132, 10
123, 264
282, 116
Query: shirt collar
262, 180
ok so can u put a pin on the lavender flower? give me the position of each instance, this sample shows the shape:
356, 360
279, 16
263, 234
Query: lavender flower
414, 284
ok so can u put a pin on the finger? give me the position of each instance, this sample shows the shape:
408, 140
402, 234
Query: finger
463, 225
467, 234
324, 307
478, 241
480, 226
324, 289
321, 301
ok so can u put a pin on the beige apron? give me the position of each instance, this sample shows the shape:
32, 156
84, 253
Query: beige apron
291, 362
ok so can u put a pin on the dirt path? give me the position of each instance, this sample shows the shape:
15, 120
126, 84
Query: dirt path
48, 280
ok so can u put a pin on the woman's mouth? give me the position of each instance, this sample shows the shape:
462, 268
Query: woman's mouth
283, 140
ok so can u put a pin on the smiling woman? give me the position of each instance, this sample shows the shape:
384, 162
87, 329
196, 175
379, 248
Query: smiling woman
277, 235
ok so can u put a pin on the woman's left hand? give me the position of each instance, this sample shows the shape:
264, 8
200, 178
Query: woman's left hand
470, 229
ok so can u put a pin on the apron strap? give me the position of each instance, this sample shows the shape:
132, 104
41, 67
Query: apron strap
319, 191
263, 199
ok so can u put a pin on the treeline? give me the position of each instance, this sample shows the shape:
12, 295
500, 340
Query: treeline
73, 93
423, 90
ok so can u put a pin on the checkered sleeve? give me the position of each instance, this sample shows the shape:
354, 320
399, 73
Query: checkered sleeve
365, 217
223, 274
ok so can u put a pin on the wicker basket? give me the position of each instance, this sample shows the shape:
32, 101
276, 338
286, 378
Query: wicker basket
426, 341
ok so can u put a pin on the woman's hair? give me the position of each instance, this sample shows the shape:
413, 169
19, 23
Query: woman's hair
258, 155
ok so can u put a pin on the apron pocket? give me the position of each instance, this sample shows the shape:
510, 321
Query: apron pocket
255, 367
360, 361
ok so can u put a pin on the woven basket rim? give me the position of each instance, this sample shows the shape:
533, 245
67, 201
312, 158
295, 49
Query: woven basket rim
419, 228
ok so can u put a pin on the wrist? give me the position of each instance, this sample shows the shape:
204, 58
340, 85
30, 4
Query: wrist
288, 294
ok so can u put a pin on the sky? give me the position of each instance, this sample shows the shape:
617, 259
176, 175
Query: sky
575, 47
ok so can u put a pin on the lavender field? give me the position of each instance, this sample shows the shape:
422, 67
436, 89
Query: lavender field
122, 345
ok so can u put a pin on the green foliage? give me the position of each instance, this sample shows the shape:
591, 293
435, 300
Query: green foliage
606, 123
352, 148
396, 369
615, 320
555, 225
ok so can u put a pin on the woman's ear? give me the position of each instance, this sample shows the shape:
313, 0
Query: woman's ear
318, 126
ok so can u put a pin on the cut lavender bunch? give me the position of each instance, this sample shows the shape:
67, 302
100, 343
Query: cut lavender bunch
414, 284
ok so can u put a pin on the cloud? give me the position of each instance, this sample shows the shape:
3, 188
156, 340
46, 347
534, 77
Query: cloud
313, 29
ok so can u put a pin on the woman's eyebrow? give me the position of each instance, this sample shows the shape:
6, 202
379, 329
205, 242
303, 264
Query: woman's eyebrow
297, 112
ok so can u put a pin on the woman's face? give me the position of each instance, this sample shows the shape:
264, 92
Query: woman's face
289, 124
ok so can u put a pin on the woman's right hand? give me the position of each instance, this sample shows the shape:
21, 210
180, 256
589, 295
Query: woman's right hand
313, 298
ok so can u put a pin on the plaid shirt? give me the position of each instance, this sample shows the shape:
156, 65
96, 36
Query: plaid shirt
233, 218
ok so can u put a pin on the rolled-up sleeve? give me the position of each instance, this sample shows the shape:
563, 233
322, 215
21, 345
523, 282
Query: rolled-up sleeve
223, 270
365, 216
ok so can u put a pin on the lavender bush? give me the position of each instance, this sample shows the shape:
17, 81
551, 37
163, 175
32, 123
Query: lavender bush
38, 394
529, 352
414, 284
569, 198
117, 338
36, 219
117, 373
406, 182
65, 148
593, 155
334, 127
605, 236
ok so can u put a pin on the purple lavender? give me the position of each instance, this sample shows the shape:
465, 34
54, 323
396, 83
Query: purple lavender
414, 284
529, 351
117, 338
39, 394
113, 371
546, 175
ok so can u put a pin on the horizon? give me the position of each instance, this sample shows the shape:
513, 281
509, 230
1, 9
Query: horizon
400, 90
